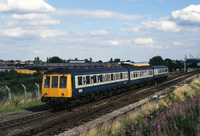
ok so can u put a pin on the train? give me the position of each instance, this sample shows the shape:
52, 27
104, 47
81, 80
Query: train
68, 87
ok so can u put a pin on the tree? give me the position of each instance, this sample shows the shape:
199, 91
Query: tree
117, 60
86, 60
100, 61
54, 59
111, 60
178, 65
37, 60
90, 60
168, 62
157, 60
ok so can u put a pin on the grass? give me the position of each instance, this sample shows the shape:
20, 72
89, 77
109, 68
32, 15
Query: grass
177, 114
18, 105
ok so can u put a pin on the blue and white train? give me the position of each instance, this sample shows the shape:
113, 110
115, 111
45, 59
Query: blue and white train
72, 86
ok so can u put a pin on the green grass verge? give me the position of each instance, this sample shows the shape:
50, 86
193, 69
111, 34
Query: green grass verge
18, 106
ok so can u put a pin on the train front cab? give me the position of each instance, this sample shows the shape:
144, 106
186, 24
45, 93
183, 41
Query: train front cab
56, 88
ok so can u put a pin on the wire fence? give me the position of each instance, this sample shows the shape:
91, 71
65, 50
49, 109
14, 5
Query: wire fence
9, 95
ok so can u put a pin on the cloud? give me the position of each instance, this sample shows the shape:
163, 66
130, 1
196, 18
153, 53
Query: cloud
99, 32
186, 19
43, 33
143, 41
130, 28
44, 22
177, 43
190, 14
25, 6
115, 43
146, 43
35, 19
162, 25
31, 16
100, 14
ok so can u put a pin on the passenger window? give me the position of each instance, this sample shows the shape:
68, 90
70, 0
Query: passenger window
100, 78
106, 76
117, 76
84, 80
112, 77
47, 82
88, 79
63, 81
94, 79
121, 76
80, 80
125, 75
54, 82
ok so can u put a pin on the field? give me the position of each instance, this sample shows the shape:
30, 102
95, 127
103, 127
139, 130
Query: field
18, 100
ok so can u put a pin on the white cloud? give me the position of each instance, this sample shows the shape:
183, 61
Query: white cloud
189, 14
162, 25
99, 32
116, 43
43, 33
25, 6
16, 32
32, 16
177, 43
143, 41
154, 46
186, 19
35, 19
51, 33
100, 14
131, 28
44, 22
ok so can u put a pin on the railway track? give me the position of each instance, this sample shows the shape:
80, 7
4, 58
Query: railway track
56, 122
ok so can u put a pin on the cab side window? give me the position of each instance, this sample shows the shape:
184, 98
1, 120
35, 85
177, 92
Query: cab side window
47, 82
63, 81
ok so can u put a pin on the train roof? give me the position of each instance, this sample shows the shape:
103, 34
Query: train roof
135, 68
86, 70
160, 66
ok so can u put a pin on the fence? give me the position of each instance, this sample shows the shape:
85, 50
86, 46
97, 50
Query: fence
26, 97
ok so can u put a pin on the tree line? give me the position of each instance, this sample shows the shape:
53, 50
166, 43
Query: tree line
156, 60
172, 65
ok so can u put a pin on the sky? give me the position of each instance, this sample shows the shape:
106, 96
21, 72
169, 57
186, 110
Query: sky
135, 30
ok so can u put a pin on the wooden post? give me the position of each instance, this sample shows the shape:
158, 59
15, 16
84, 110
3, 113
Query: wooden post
25, 93
9, 92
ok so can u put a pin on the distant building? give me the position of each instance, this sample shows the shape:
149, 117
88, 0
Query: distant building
76, 61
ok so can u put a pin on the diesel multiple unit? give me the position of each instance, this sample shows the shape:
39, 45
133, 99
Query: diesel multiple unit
72, 86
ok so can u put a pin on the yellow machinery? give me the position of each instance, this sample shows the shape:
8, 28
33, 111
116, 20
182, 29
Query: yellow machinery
24, 71
140, 64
